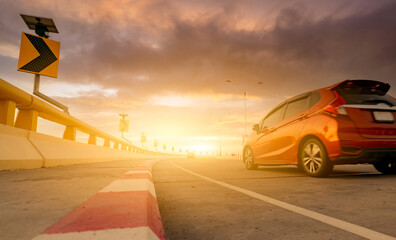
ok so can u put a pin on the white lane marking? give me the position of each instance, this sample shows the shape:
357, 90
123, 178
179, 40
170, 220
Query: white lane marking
118, 233
139, 171
129, 185
349, 227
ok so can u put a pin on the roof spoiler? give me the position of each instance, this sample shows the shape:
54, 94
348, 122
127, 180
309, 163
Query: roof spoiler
377, 86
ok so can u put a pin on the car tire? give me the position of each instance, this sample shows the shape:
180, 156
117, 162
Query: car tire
313, 159
248, 159
386, 167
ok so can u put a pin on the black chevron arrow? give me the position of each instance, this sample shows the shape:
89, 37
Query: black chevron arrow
46, 58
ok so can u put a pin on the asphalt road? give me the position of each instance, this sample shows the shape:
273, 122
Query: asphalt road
357, 197
224, 201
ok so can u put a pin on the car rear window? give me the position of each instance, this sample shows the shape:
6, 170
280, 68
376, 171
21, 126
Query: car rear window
367, 92
366, 99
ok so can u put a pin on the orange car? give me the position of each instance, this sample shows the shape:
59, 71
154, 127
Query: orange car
351, 122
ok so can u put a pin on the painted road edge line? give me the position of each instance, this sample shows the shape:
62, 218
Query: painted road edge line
127, 208
346, 226
118, 233
130, 185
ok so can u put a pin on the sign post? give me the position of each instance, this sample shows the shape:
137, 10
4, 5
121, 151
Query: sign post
40, 55
124, 124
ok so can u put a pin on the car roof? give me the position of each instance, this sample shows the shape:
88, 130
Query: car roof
317, 90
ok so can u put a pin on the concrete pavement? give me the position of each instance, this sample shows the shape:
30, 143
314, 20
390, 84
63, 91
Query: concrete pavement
32, 200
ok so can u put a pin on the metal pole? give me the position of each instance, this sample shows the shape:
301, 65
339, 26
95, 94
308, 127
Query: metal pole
36, 91
220, 148
244, 94
36, 86
245, 114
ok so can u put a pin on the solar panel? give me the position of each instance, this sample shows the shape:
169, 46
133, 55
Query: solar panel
40, 24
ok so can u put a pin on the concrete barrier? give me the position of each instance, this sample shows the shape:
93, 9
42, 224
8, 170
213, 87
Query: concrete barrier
58, 151
125, 209
16, 151
23, 149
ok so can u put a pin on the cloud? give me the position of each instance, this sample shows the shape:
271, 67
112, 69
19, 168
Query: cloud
194, 55
179, 53
190, 47
67, 90
9, 50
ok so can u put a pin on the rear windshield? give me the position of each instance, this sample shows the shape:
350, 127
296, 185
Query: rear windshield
367, 92
366, 97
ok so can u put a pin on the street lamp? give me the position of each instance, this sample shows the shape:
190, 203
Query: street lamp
244, 98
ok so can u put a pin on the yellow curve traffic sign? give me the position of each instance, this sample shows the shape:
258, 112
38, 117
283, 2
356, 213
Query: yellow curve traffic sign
39, 55
124, 125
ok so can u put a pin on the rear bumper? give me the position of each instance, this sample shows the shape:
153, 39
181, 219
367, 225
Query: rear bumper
367, 155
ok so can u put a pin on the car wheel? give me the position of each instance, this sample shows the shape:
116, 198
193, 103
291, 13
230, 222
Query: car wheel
386, 167
248, 159
314, 160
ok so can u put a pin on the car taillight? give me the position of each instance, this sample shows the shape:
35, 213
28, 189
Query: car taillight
335, 107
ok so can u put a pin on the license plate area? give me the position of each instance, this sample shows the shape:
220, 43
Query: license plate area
382, 116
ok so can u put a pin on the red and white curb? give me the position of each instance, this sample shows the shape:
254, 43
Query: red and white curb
125, 209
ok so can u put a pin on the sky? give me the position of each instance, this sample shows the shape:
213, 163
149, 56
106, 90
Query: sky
179, 68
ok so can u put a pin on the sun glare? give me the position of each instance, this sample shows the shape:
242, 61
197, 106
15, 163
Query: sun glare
171, 101
70, 90
203, 148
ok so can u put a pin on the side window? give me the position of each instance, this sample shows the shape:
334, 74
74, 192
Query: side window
274, 117
297, 106
315, 97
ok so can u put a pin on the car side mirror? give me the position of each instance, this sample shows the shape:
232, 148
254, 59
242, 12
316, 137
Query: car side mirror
256, 128
265, 130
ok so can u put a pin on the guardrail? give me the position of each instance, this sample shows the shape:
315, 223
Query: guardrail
30, 108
